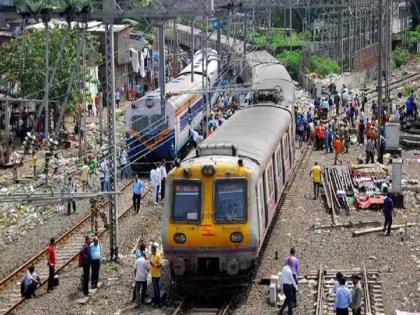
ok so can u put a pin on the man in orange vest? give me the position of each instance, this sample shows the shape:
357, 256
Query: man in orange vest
337, 148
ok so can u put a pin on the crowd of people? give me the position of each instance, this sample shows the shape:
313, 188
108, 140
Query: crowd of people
319, 123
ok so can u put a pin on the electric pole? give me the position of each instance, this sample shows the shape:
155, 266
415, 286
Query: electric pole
380, 50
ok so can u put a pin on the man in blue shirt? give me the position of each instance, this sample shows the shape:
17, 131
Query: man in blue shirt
342, 298
137, 191
95, 252
388, 211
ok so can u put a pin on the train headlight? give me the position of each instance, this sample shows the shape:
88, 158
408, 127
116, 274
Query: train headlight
236, 237
179, 266
208, 170
180, 238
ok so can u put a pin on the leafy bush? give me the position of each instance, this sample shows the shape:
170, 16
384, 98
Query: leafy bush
277, 39
291, 59
323, 65
400, 57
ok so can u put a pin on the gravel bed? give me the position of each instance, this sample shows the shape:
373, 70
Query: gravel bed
337, 249
115, 296
31, 242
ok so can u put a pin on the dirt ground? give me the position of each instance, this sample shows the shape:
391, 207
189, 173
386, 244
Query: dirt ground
336, 248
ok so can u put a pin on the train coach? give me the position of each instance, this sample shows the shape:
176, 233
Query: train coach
223, 197
155, 137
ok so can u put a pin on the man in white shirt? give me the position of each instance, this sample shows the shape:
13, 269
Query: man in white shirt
104, 175
141, 269
155, 178
71, 202
288, 283
30, 282
196, 137
123, 164
163, 175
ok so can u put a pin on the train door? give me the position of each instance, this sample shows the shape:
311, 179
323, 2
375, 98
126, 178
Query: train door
291, 146
279, 171
261, 210
283, 162
276, 193
264, 189
286, 151
269, 190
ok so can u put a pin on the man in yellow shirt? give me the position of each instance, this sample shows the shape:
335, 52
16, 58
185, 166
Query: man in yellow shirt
315, 173
156, 265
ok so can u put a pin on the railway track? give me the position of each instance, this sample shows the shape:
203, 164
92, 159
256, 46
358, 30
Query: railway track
68, 248
206, 308
395, 84
372, 301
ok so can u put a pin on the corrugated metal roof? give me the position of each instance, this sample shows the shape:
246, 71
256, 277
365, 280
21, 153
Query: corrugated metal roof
268, 72
254, 130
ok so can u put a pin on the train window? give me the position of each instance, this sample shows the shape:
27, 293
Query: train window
156, 121
186, 201
139, 123
230, 204
270, 180
279, 163
286, 147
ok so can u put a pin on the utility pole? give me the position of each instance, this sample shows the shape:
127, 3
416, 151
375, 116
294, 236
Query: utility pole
192, 49
112, 145
47, 80
7, 125
101, 122
82, 131
340, 36
219, 45
245, 34
204, 75
162, 69
380, 50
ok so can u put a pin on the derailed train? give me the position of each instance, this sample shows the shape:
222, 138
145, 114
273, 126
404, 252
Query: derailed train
155, 137
222, 198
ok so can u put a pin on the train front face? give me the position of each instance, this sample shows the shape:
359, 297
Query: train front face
208, 227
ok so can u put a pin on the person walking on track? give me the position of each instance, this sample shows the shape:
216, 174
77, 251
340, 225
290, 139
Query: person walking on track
141, 269
163, 175
155, 181
156, 265
295, 270
356, 296
342, 298
95, 252
315, 173
137, 192
51, 264
289, 285
71, 202
85, 261
388, 212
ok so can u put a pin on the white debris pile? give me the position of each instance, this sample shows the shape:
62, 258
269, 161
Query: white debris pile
17, 218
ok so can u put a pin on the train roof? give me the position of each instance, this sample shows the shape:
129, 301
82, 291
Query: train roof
253, 130
268, 73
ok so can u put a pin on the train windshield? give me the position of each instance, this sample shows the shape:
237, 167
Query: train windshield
230, 200
140, 123
186, 201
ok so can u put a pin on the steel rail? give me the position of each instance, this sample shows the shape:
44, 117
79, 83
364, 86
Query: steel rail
61, 240
320, 292
396, 83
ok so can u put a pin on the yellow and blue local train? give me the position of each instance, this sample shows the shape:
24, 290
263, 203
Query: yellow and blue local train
222, 198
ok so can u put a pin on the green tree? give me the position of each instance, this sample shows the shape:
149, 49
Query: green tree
400, 57
291, 59
23, 63
323, 65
